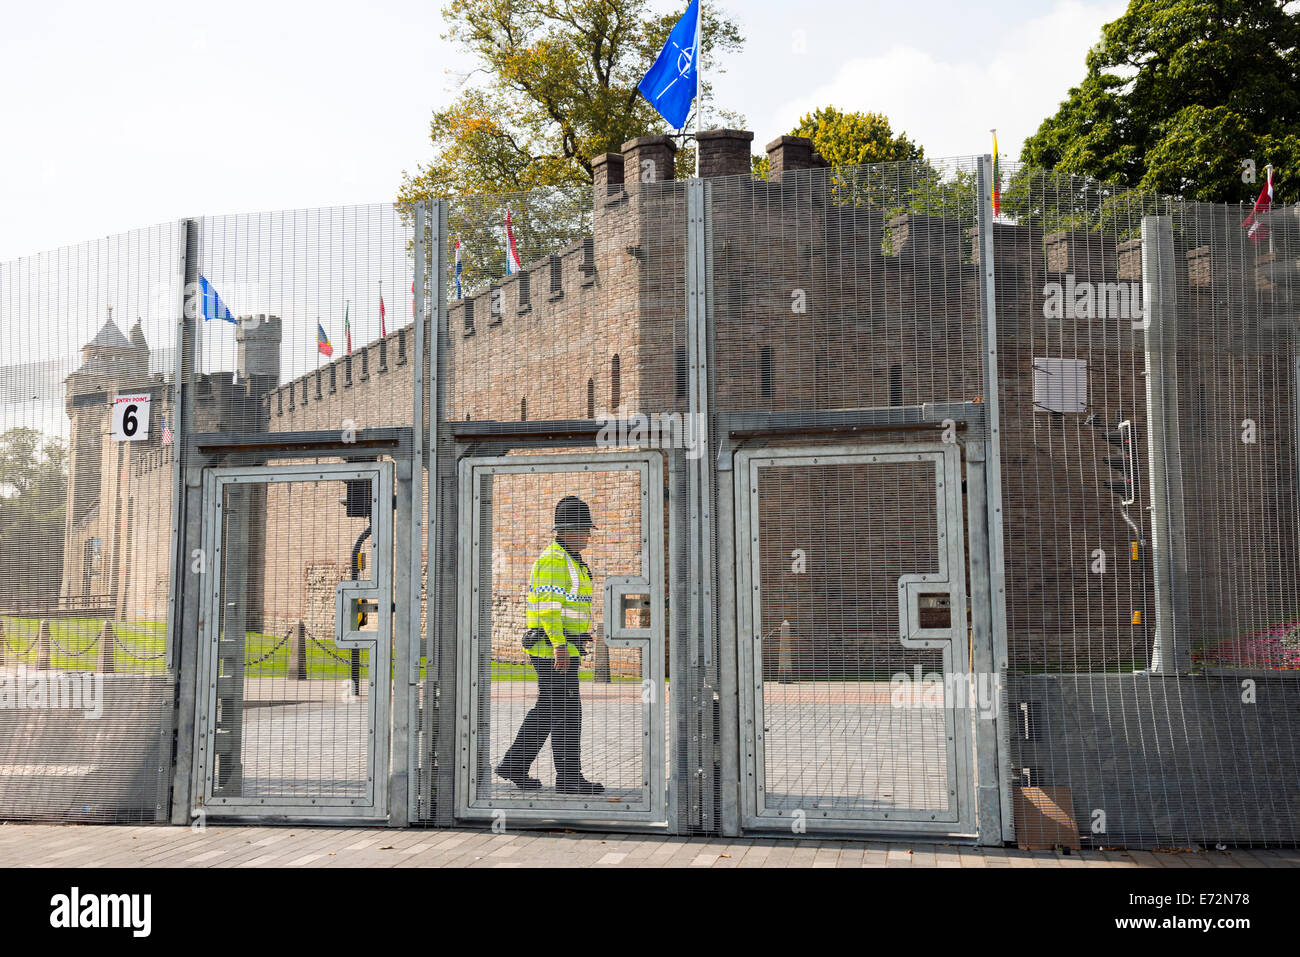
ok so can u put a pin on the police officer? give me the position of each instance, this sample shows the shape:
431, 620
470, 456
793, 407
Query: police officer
559, 620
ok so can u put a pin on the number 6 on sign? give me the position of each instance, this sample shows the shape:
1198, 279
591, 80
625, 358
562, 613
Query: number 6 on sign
131, 417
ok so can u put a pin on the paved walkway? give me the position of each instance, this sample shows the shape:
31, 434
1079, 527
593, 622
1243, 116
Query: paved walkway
53, 845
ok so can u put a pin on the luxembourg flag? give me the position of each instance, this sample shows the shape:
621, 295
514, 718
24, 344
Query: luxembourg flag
512, 251
458, 267
1255, 229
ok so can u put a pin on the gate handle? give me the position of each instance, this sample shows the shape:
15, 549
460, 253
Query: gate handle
350, 598
624, 593
912, 633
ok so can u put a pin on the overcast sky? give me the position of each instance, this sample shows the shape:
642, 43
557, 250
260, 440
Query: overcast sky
122, 115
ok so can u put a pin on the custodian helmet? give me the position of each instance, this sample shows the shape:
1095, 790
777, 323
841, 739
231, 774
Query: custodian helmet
572, 512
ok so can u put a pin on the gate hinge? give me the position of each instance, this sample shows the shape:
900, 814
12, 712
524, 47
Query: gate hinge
394, 501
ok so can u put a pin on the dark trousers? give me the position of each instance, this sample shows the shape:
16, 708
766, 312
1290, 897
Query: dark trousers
558, 713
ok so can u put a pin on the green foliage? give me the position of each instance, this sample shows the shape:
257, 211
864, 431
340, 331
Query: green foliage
1053, 200
559, 88
1178, 95
544, 221
872, 167
853, 139
33, 491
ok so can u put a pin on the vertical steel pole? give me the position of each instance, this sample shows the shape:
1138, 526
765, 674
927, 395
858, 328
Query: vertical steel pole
440, 691
700, 508
992, 503
187, 523
1169, 653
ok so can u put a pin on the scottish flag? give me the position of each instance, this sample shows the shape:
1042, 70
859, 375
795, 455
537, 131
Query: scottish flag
213, 307
670, 84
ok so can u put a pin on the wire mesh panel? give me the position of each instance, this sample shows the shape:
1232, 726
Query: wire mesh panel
305, 320
849, 288
854, 595
298, 662
588, 741
1147, 367
87, 476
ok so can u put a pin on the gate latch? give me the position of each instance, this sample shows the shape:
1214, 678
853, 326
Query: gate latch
356, 614
627, 611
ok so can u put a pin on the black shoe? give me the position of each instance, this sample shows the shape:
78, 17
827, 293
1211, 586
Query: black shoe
521, 781
580, 786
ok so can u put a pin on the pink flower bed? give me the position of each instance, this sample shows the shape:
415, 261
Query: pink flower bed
1276, 647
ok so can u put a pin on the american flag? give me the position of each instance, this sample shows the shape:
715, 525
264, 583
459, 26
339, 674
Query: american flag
167, 434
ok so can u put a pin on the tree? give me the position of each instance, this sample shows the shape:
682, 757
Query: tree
33, 492
559, 88
1185, 97
851, 139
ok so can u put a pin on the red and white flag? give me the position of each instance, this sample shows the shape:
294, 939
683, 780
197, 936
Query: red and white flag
512, 251
1255, 229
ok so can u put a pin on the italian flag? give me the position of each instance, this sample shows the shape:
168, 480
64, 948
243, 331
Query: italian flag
347, 327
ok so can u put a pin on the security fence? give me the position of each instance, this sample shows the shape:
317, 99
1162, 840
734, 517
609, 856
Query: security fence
911, 517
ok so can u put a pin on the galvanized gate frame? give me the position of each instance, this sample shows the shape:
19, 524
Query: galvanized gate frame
474, 549
375, 804
950, 578
205, 452
460, 445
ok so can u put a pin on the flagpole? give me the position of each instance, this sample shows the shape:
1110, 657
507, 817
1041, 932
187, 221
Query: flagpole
699, 82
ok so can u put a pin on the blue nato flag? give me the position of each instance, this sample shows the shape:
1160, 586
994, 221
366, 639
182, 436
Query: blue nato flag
213, 307
670, 84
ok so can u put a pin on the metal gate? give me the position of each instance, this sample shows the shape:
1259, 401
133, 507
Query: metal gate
506, 511
853, 639
295, 641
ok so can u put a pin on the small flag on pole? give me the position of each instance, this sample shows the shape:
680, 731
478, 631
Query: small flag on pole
997, 179
458, 268
166, 433
382, 314
1255, 229
213, 307
669, 86
512, 251
323, 341
347, 328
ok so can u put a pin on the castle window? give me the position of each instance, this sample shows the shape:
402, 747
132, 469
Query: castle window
557, 277
615, 384
765, 372
469, 314
680, 373
896, 384
591, 398
523, 410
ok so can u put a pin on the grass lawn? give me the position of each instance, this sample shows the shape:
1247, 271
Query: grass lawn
141, 649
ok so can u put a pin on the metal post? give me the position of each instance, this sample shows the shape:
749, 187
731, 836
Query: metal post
403, 644
991, 502
1169, 653
420, 452
440, 693
700, 507
184, 586
728, 663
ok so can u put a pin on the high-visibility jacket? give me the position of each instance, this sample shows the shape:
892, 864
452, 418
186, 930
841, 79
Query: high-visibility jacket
559, 600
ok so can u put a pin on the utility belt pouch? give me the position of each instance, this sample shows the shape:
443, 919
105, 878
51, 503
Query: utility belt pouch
531, 637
